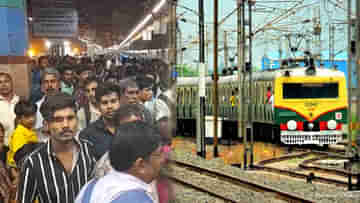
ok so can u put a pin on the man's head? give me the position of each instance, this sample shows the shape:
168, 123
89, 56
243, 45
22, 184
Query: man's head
43, 62
6, 84
59, 112
90, 87
68, 74
145, 85
136, 149
166, 130
70, 60
84, 72
26, 113
50, 81
128, 113
107, 97
128, 91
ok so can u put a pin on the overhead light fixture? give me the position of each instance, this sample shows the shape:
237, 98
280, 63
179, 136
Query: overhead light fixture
158, 7
146, 20
137, 28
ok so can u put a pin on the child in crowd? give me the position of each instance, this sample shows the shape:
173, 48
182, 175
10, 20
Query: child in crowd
23, 134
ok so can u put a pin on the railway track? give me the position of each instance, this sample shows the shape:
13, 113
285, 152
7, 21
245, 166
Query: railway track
236, 184
314, 169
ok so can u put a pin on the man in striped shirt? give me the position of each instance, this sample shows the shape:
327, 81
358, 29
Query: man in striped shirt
56, 171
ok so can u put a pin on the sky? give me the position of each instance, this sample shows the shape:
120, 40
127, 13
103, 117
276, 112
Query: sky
268, 43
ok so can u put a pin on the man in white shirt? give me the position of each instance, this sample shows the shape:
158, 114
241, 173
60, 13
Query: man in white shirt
50, 85
8, 100
136, 159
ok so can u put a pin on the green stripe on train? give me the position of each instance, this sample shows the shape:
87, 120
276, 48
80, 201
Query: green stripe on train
284, 115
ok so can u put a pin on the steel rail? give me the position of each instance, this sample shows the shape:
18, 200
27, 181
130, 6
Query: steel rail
208, 191
246, 183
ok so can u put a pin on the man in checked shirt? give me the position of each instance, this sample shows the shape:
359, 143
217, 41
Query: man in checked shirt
56, 171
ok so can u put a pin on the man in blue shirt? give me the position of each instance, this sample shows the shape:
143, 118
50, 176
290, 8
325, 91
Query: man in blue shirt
136, 159
36, 93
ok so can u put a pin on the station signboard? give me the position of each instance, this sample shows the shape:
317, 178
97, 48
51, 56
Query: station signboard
55, 22
55, 19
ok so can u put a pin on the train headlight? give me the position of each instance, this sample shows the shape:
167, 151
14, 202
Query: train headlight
291, 125
331, 124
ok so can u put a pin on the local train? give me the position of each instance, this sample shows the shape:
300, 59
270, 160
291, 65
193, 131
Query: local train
308, 105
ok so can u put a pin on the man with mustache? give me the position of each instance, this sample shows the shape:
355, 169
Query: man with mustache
132, 174
56, 171
50, 85
67, 82
129, 91
84, 72
102, 131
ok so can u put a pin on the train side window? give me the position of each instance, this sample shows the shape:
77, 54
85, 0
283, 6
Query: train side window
226, 93
179, 95
263, 94
253, 92
189, 96
207, 95
210, 95
185, 95
195, 91
246, 90
222, 94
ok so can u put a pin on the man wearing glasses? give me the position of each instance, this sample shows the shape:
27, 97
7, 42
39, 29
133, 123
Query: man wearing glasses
136, 158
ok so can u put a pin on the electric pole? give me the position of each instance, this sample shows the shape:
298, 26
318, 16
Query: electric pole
202, 82
241, 79
358, 63
226, 55
216, 154
349, 69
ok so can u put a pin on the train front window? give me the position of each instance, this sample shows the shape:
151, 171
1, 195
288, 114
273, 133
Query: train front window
310, 90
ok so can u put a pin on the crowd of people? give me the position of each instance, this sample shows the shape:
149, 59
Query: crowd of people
91, 131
